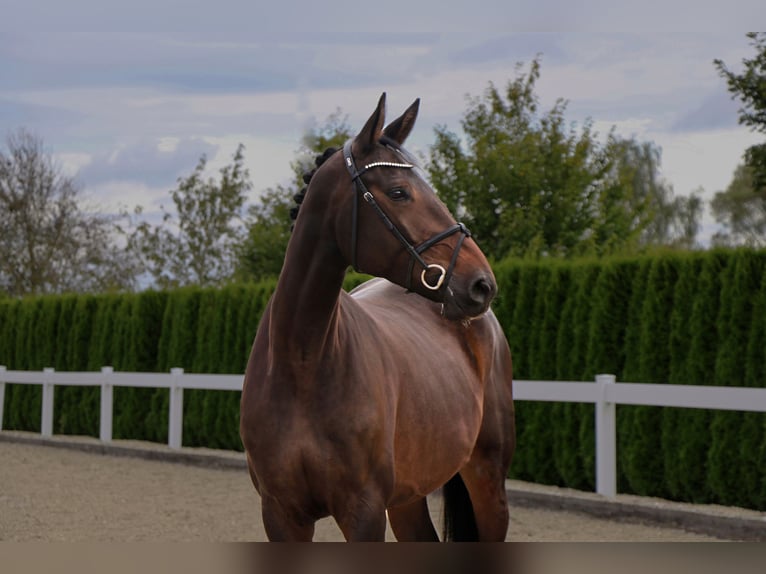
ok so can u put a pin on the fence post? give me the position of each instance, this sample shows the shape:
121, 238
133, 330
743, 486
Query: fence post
606, 439
46, 418
107, 401
2, 395
176, 414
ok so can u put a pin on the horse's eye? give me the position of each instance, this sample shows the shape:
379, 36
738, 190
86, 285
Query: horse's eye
398, 194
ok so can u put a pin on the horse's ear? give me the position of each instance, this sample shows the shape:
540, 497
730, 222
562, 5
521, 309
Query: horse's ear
373, 129
400, 128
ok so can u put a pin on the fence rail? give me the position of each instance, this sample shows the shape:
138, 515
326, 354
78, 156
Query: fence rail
605, 393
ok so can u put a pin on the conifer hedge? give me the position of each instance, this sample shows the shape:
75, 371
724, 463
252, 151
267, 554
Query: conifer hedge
680, 318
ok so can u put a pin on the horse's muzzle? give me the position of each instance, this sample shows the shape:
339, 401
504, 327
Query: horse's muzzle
471, 300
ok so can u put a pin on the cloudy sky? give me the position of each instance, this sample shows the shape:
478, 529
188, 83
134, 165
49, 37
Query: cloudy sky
128, 95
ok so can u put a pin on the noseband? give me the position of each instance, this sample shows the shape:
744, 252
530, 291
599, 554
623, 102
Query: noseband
415, 251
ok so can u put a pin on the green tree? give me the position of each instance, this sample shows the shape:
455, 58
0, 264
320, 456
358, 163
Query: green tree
268, 223
644, 468
197, 243
727, 469
741, 211
262, 252
700, 368
521, 325
753, 449
51, 242
636, 207
317, 138
528, 183
570, 346
679, 342
749, 86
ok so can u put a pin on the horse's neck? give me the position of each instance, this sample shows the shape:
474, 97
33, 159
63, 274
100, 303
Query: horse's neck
305, 307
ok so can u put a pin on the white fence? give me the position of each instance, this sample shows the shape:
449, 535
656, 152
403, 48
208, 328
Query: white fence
605, 393
176, 381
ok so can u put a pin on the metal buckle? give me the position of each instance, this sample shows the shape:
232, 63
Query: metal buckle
439, 282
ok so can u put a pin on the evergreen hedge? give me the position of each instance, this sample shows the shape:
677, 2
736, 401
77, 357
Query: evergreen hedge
679, 318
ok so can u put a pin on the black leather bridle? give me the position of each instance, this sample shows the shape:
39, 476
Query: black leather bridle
415, 251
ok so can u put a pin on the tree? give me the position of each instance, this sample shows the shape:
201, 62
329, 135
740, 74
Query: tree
740, 211
750, 87
268, 222
636, 207
197, 244
50, 241
332, 134
262, 252
525, 183
741, 208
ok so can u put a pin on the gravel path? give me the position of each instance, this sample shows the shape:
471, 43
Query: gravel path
58, 494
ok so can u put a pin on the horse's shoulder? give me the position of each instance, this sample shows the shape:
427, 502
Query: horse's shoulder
380, 292
377, 294
376, 285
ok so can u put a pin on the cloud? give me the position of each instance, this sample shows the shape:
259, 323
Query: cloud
717, 111
72, 162
150, 161
626, 127
134, 94
267, 159
116, 196
691, 160
38, 118
146, 172
509, 49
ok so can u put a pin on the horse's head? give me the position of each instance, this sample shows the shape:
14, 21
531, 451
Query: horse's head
391, 224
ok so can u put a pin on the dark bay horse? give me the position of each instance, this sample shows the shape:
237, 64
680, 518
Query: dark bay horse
359, 405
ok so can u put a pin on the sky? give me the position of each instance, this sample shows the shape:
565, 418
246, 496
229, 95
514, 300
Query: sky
128, 95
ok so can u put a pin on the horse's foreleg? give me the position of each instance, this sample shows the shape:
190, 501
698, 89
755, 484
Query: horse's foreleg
412, 522
283, 528
278, 526
251, 471
363, 519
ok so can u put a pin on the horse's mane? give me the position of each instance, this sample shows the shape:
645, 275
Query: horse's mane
298, 197
324, 156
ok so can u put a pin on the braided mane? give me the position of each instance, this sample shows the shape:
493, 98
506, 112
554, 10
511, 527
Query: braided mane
300, 196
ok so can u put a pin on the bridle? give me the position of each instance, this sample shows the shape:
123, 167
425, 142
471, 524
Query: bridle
415, 251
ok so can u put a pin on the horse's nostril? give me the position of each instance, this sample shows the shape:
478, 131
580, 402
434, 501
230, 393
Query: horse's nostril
482, 290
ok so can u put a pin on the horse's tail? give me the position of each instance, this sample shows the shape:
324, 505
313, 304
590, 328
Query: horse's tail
459, 519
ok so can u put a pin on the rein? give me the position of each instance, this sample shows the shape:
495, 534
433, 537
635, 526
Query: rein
415, 251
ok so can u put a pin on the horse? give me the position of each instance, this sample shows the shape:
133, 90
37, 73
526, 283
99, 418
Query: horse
359, 405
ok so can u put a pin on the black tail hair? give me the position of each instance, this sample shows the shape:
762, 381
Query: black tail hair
459, 518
